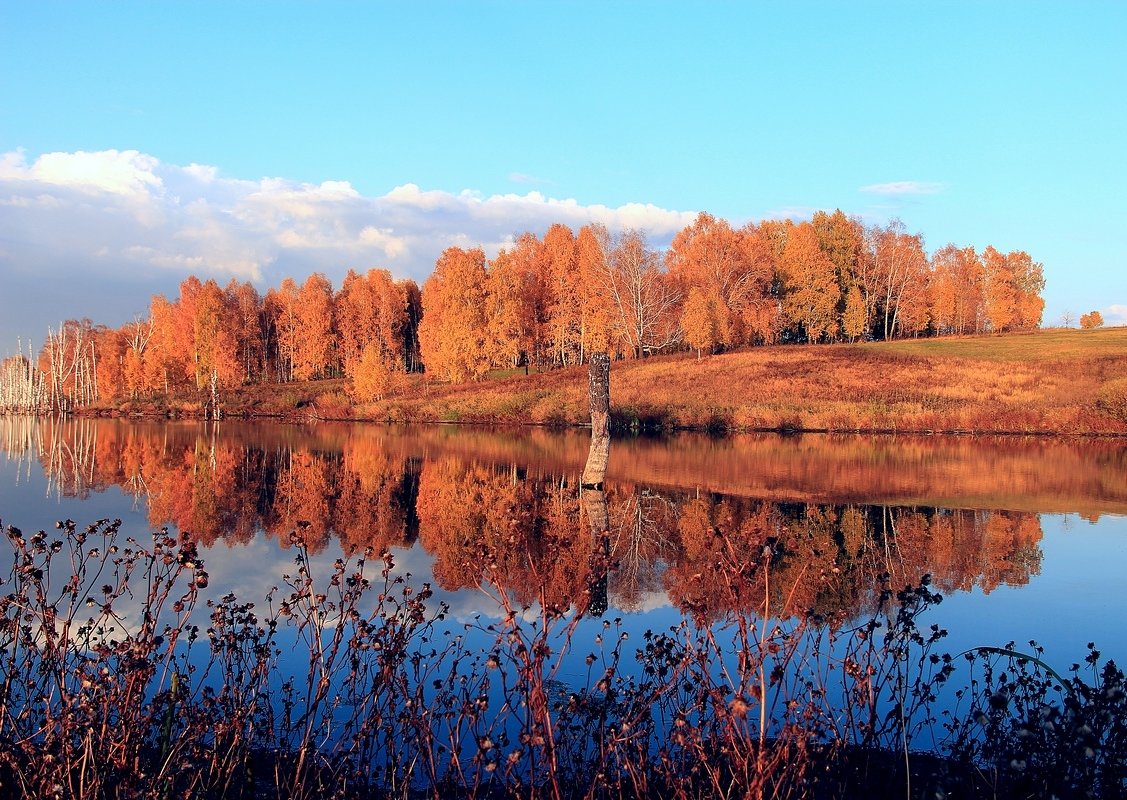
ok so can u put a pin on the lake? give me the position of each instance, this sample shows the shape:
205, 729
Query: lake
1024, 538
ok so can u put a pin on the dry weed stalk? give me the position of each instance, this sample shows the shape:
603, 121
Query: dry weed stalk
110, 688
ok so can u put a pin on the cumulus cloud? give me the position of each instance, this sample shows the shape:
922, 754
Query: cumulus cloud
1115, 314
124, 218
115, 172
903, 188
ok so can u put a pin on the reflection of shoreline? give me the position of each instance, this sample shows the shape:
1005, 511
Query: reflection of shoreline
525, 525
1034, 474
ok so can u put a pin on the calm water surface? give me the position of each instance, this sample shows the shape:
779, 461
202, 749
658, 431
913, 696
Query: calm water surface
1025, 538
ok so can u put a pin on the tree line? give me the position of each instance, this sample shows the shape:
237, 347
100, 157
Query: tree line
542, 303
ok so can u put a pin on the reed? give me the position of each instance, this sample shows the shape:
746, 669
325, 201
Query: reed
121, 676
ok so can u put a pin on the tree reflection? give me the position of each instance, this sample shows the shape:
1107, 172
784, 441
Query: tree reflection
532, 529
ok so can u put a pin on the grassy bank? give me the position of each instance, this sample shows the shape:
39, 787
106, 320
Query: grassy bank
1045, 382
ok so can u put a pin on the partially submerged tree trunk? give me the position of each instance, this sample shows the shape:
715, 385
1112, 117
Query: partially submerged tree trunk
599, 391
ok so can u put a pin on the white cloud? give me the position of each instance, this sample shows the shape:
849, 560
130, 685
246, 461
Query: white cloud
124, 218
903, 188
125, 172
1115, 314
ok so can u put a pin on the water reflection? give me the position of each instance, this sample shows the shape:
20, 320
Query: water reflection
825, 517
783, 554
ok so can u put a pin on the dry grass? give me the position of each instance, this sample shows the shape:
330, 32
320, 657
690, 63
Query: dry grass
1044, 382
157, 690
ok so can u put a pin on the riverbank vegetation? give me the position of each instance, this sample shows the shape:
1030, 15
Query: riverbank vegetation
121, 677
1041, 382
541, 304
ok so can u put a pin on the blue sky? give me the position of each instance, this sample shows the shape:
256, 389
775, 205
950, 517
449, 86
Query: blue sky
140, 142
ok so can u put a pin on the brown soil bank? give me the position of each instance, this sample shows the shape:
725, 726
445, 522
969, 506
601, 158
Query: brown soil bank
1045, 382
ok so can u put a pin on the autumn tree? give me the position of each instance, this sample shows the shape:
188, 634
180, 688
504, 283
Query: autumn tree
283, 327
999, 295
371, 313
760, 312
811, 291
454, 327
1091, 320
564, 296
1029, 281
896, 277
374, 376
210, 333
704, 322
315, 353
597, 311
518, 285
842, 240
162, 361
643, 300
246, 309
854, 319
110, 347
732, 267
137, 335
956, 277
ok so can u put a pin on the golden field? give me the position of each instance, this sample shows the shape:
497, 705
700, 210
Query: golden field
1044, 382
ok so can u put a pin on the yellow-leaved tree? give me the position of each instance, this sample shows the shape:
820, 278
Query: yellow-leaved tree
453, 334
704, 321
374, 377
1091, 320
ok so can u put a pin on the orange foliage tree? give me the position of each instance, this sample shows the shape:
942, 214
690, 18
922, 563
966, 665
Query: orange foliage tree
956, 275
811, 292
704, 323
373, 376
564, 296
1091, 320
315, 352
246, 309
896, 279
734, 268
554, 301
453, 330
213, 345
518, 299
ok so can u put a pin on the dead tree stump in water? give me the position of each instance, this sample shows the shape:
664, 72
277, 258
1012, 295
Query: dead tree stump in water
599, 393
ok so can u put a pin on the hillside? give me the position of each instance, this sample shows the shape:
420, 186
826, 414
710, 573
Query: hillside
1054, 381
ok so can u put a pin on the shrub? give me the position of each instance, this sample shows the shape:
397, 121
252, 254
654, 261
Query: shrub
333, 405
1112, 399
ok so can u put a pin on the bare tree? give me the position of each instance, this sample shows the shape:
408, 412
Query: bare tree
644, 300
